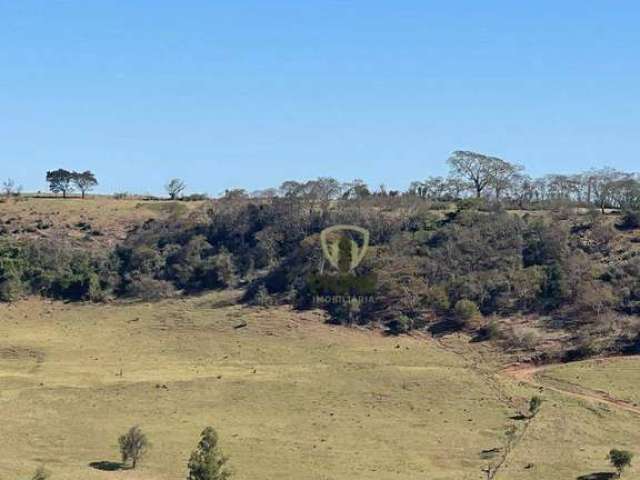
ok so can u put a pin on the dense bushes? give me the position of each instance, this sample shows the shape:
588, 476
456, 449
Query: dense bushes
421, 266
52, 270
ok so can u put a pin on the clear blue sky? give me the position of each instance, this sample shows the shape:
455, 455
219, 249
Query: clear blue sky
250, 93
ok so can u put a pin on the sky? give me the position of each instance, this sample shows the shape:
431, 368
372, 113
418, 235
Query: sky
228, 94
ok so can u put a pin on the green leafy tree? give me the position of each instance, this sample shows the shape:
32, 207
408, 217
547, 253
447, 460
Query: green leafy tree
534, 405
207, 461
620, 459
60, 181
84, 181
133, 445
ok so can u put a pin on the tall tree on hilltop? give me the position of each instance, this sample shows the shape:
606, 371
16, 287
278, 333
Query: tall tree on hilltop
175, 187
60, 181
481, 170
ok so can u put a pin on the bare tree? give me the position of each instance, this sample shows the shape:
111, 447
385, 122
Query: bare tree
481, 170
9, 188
506, 174
133, 445
175, 187
603, 186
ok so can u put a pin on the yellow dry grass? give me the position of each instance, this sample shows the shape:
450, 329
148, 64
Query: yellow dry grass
95, 221
292, 398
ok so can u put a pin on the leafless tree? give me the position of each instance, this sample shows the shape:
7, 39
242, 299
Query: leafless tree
9, 188
482, 171
175, 187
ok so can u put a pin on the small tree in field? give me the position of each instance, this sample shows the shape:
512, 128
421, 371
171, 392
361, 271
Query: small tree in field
175, 187
84, 181
133, 445
207, 461
534, 405
9, 188
40, 474
620, 459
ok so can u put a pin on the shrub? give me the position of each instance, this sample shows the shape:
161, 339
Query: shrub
147, 288
491, 331
465, 311
40, 474
345, 313
262, 297
133, 445
225, 269
534, 405
195, 197
470, 204
207, 461
523, 337
630, 220
438, 299
586, 346
11, 288
400, 324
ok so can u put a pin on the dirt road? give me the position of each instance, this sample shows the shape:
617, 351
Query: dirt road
531, 374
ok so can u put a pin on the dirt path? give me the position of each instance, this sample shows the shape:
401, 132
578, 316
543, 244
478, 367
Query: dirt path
531, 374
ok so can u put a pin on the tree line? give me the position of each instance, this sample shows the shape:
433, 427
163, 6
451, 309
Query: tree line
65, 181
471, 175
483, 177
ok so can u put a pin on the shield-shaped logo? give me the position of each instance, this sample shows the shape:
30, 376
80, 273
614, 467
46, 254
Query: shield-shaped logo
340, 247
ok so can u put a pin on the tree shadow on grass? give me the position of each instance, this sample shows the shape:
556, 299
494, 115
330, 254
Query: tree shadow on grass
107, 466
521, 417
598, 476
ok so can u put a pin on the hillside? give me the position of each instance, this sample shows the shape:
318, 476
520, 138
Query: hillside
94, 222
180, 315
291, 397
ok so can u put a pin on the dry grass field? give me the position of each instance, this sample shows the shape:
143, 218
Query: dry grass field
95, 221
291, 397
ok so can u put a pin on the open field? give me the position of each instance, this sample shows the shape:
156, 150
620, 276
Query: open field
291, 397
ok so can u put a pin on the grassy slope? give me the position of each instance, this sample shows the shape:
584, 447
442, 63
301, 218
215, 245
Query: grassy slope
323, 403
570, 438
109, 217
619, 377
